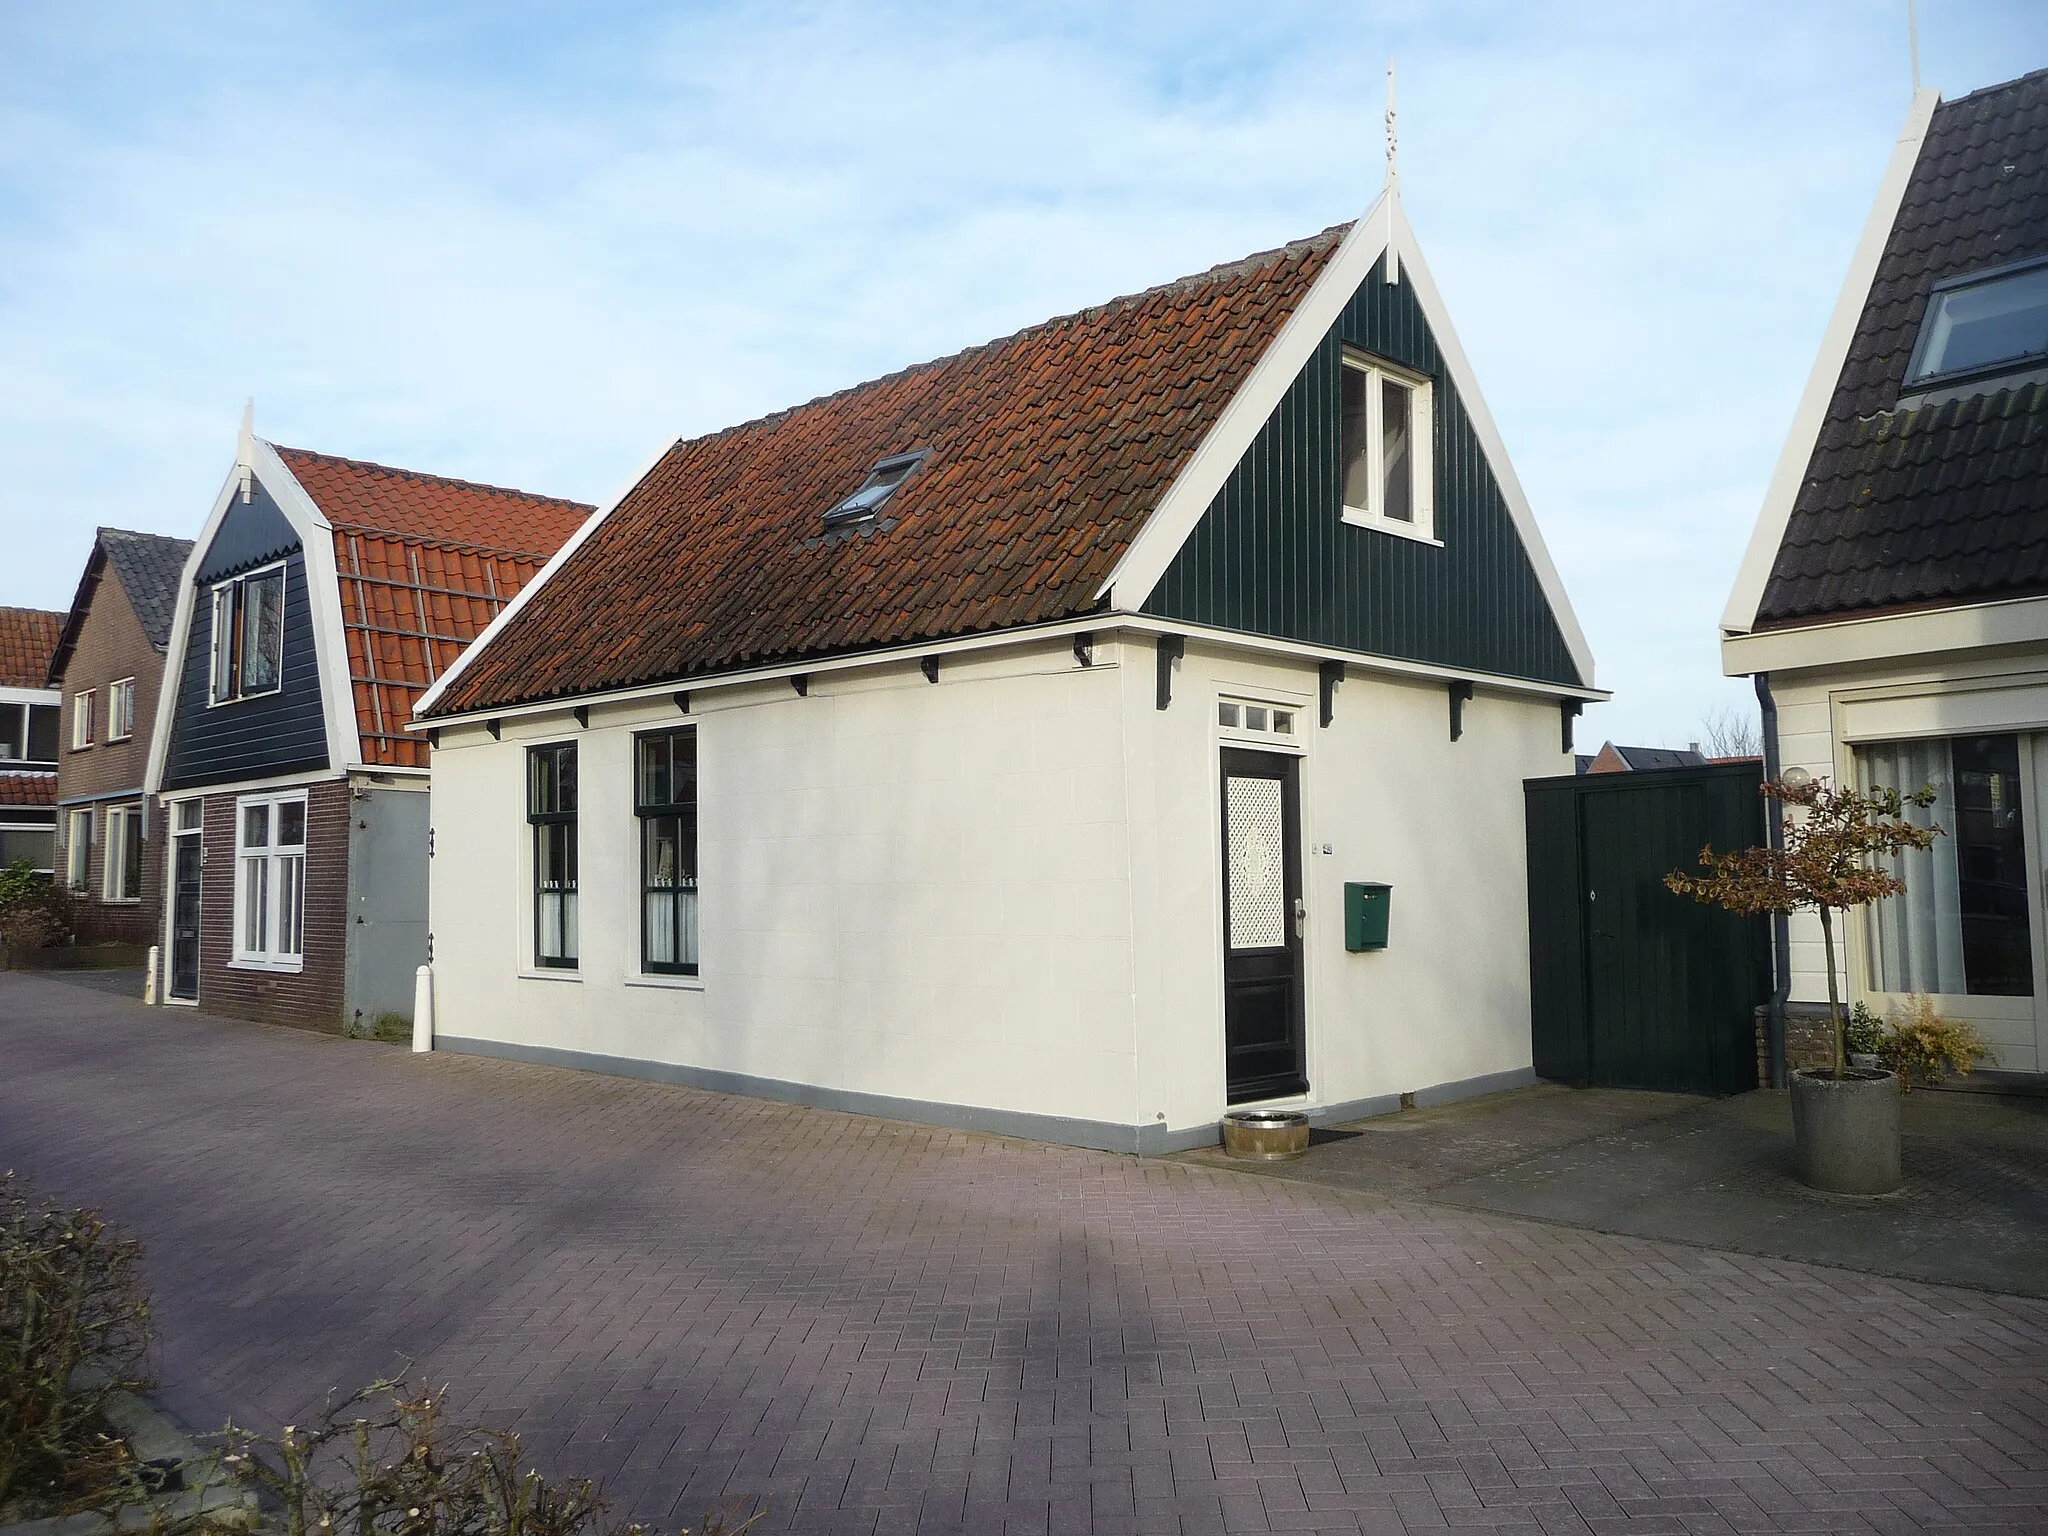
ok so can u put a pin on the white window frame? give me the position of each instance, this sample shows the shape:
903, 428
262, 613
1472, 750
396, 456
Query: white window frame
236, 692
1255, 722
270, 889
78, 849
114, 855
81, 721
1421, 450
121, 709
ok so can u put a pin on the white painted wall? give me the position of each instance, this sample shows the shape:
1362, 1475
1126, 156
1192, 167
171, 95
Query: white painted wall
1003, 890
911, 889
1822, 712
1398, 801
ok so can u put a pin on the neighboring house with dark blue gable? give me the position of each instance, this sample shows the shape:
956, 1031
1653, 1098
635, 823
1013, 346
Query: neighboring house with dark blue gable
1893, 604
320, 599
1040, 738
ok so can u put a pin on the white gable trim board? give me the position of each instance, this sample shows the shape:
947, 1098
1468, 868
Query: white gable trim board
1790, 473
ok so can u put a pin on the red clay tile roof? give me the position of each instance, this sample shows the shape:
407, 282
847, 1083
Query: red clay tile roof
28, 639
1046, 452
424, 564
28, 789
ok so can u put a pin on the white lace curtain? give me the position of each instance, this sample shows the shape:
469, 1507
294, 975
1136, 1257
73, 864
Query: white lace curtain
1916, 938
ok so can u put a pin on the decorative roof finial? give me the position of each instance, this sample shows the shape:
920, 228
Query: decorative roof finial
245, 445
1913, 43
1393, 142
1393, 188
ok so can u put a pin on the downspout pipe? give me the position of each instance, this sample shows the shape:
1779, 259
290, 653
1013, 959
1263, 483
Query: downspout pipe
1781, 923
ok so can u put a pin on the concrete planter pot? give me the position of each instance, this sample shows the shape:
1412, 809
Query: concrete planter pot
1265, 1135
1846, 1130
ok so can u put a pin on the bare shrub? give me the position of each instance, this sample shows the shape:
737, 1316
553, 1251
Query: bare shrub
74, 1327
386, 1461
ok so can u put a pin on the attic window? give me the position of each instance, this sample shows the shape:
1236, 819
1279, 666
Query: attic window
1988, 322
879, 486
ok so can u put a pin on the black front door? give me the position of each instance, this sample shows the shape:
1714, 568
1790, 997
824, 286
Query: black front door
1262, 993
185, 863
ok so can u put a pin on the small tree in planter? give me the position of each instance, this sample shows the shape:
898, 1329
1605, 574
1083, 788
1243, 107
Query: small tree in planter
1826, 864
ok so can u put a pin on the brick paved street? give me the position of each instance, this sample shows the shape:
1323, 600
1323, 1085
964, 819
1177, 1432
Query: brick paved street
886, 1327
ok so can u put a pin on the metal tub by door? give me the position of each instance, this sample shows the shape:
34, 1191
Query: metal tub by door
1262, 926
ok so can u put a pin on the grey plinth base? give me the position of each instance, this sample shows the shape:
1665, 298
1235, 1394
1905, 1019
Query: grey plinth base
1846, 1131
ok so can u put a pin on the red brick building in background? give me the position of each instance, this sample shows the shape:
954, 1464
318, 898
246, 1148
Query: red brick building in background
28, 737
108, 668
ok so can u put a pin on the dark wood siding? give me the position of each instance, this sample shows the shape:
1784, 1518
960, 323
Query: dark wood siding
1273, 556
282, 732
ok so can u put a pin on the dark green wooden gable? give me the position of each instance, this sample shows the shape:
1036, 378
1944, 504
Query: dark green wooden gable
1273, 556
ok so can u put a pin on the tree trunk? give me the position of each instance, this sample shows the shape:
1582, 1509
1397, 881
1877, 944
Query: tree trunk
1827, 935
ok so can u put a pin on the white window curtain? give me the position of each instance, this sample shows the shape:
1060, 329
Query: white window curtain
1916, 938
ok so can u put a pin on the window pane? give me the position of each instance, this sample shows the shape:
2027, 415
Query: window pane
1283, 722
256, 905
1995, 322
13, 720
554, 877
291, 901
1991, 867
224, 642
1356, 450
1254, 718
291, 824
540, 794
78, 850
565, 779
131, 856
1226, 714
263, 632
255, 826
1396, 401
654, 770
36, 844
42, 732
188, 815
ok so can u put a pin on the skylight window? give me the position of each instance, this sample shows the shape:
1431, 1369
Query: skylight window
879, 486
1984, 323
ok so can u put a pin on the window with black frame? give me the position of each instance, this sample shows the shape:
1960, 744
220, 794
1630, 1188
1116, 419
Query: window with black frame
665, 796
551, 810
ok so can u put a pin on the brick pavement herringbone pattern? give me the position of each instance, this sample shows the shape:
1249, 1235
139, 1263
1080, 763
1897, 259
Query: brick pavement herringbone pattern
885, 1327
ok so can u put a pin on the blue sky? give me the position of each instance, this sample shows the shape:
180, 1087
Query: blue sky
530, 243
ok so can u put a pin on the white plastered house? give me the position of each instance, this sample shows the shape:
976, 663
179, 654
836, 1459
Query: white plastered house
993, 744
1893, 604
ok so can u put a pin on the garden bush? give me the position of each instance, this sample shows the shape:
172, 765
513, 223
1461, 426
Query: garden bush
386, 1461
74, 1329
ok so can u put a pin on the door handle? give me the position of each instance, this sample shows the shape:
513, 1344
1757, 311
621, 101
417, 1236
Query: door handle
1300, 918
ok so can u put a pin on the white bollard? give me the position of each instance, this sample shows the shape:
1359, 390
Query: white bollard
149, 979
423, 1008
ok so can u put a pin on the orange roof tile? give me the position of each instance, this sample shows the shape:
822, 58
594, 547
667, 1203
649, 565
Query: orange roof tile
1046, 452
28, 789
424, 564
28, 639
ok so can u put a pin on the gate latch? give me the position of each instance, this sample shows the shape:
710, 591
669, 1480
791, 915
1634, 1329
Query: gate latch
1300, 918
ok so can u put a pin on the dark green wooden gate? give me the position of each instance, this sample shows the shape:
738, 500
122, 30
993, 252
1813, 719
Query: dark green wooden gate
1631, 986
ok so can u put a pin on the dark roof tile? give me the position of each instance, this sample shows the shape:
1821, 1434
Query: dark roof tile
1947, 503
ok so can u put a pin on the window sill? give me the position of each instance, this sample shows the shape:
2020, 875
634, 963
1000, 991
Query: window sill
563, 973
120, 901
663, 983
1409, 531
273, 967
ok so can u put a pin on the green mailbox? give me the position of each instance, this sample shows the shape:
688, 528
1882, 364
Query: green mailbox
1365, 914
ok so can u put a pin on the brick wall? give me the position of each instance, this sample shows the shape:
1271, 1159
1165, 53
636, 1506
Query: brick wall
111, 645
310, 998
1809, 1040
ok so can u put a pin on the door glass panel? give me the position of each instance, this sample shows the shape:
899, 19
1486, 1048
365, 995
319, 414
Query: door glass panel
1963, 925
1991, 867
1258, 870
